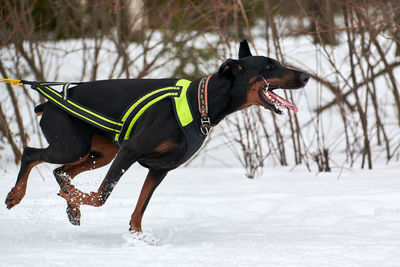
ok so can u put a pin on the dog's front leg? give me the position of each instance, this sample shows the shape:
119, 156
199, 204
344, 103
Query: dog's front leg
153, 179
124, 159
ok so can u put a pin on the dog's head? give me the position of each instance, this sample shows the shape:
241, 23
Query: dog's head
254, 79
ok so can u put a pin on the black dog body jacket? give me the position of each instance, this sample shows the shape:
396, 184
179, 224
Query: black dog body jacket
123, 128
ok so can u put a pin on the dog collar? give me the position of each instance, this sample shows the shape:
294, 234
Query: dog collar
203, 105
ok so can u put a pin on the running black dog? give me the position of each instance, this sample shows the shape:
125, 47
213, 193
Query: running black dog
160, 136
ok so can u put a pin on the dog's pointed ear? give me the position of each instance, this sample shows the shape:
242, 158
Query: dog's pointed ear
230, 67
244, 49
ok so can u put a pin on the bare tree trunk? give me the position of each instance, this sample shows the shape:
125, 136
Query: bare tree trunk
15, 105
362, 114
323, 22
8, 134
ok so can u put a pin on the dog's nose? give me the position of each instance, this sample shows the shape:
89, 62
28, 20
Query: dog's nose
304, 78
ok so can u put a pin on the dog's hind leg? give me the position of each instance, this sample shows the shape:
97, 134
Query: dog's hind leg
102, 152
30, 158
69, 141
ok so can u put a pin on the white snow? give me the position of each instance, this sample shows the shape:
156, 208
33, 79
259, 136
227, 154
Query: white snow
210, 217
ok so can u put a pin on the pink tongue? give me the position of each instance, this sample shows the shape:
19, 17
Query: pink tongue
283, 102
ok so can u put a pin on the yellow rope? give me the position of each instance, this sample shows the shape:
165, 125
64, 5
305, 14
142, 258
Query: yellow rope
12, 81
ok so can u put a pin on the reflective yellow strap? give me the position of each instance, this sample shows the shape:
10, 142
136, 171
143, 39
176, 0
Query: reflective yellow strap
143, 98
142, 110
72, 111
84, 109
95, 114
182, 105
18, 82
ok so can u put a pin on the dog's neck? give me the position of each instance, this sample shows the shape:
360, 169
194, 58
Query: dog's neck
224, 98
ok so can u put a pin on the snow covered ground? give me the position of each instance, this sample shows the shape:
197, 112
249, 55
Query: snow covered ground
210, 217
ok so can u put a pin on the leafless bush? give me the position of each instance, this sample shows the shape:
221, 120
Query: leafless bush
31, 33
245, 136
370, 30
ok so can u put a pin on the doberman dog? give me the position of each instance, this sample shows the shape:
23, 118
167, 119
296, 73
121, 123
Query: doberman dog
157, 141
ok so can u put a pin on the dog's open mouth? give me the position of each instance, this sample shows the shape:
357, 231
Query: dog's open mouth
274, 102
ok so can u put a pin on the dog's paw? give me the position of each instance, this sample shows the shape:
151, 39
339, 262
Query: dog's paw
14, 197
74, 214
140, 239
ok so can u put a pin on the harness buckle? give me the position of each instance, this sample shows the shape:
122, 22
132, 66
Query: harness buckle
205, 125
65, 90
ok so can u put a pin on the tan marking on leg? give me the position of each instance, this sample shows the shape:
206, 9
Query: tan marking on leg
103, 145
106, 153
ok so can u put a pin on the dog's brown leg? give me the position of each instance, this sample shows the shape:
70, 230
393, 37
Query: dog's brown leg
29, 160
102, 152
153, 179
124, 159
64, 175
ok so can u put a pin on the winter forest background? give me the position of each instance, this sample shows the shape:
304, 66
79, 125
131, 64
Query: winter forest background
349, 113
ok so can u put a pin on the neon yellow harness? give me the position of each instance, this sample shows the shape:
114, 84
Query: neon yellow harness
122, 128
133, 113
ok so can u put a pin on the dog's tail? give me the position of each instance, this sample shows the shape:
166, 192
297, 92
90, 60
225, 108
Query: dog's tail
39, 109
